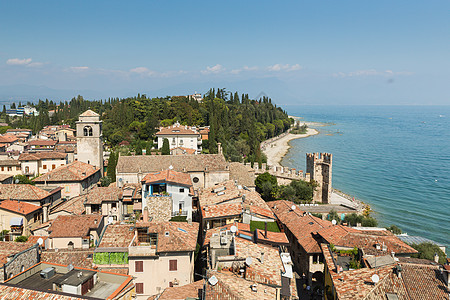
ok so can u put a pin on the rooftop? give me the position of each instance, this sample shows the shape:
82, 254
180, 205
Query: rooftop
73, 206
42, 155
168, 176
22, 208
10, 162
19, 293
42, 143
236, 287
177, 129
192, 290
103, 194
180, 163
11, 248
244, 174
173, 236
76, 171
25, 192
78, 258
74, 226
89, 113
117, 236
300, 224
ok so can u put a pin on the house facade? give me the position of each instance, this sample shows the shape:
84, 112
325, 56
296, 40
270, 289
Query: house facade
180, 136
34, 164
19, 217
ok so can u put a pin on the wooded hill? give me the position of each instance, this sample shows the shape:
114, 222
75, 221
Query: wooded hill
237, 122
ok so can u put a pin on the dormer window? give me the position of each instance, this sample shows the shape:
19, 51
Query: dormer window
87, 131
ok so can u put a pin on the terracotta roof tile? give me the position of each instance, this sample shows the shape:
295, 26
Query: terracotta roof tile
10, 163
18, 293
89, 113
24, 192
11, 248
78, 258
76, 171
168, 176
244, 174
222, 210
182, 236
117, 236
22, 208
73, 206
74, 226
103, 194
302, 225
7, 139
184, 150
42, 155
192, 290
42, 143
177, 130
230, 286
180, 163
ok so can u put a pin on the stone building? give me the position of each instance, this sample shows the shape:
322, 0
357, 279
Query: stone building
16, 257
319, 167
90, 139
205, 169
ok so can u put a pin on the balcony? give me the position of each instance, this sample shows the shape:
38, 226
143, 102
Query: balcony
142, 250
179, 213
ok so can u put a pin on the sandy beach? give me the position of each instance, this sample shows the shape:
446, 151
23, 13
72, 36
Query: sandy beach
275, 150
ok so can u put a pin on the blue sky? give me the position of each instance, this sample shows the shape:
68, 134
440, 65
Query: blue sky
297, 52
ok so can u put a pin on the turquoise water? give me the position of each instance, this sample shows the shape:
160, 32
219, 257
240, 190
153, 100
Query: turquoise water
396, 158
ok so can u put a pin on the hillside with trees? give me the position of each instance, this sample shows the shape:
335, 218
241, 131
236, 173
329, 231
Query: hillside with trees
236, 121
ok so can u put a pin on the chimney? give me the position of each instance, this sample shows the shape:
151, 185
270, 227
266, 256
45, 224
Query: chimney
262, 257
219, 148
436, 257
145, 214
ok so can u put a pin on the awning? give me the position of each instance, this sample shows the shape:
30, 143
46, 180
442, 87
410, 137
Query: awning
16, 222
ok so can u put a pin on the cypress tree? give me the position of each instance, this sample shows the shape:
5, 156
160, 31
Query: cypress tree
165, 150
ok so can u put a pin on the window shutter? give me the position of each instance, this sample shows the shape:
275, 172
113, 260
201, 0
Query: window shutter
139, 288
139, 266
172, 265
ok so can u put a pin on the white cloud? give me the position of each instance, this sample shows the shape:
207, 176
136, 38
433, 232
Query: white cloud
214, 69
371, 72
245, 68
286, 67
79, 69
27, 62
142, 71
18, 61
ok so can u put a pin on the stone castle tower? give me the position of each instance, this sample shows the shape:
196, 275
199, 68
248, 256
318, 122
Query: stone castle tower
90, 139
319, 167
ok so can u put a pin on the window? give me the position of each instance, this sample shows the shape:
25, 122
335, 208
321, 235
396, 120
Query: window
67, 189
9, 168
139, 266
172, 265
87, 131
27, 170
17, 168
44, 167
139, 288
3, 168
53, 166
181, 190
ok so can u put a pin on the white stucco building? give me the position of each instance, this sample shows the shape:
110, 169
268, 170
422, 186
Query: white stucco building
180, 136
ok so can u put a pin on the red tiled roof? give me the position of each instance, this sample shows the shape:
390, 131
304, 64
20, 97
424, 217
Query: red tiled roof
222, 210
78, 258
11, 248
42, 143
74, 206
186, 150
349, 237
74, 226
42, 155
117, 236
23, 192
22, 208
76, 171
18, 293
102, 194
182, 236
300, 224
7, 138
177, 130
168, 176
182, 292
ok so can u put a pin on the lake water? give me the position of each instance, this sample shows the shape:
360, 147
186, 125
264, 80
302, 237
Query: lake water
395, 158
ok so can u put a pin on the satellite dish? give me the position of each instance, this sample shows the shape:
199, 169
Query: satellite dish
375, 278
170, 167
40, 241
213, 280
248, 261
293, 207
16, 181
120, 179
333, 222
70, 267
233, 229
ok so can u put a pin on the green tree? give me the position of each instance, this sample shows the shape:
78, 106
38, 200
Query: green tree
333, 215
267, 186
21, 239
428, 251
112, 163
394, 229
22, 179
165, 150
